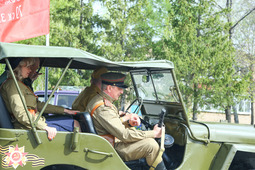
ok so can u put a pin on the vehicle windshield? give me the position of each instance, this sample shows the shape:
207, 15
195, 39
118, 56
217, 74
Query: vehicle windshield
155, 85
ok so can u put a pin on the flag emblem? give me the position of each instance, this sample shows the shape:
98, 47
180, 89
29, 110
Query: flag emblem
16, 156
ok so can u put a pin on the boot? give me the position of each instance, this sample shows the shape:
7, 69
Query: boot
161, 166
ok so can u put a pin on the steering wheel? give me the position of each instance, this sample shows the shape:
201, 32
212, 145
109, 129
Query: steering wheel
138, 108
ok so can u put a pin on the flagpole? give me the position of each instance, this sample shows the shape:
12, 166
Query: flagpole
46, 71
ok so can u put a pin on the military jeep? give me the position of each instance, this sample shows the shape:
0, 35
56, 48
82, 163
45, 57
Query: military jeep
187, 145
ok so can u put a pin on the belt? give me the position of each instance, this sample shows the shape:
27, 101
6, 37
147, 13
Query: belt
32, 111
110, 139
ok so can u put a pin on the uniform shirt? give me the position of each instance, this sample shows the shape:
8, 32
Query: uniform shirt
81, 102
14, 105
28, 82
107, 121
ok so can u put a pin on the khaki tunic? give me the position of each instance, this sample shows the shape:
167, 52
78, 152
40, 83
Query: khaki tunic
81, 102
133, 144
14, 105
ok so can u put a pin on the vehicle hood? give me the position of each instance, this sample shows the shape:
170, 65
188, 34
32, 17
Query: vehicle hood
224, 132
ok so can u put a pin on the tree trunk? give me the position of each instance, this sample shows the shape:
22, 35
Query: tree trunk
235, 114
228, 114
195, 111
81, 17
229, 17
252, 93
195, 103
252, 111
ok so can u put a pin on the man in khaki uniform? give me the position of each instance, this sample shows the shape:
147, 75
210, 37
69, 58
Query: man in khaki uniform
132, 144
80, 103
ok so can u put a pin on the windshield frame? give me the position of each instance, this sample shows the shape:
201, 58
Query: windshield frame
150, 73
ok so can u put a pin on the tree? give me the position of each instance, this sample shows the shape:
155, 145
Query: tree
127, 36
201, 52
232, 26
243, 36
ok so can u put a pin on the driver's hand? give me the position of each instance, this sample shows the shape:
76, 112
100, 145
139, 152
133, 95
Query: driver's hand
134, 120
157, 131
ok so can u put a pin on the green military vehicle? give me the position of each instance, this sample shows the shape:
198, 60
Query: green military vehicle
196, 145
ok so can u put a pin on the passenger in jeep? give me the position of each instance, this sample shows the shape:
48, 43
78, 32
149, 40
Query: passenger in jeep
27, 81
9, 92
33, 75
131, 144
81, 102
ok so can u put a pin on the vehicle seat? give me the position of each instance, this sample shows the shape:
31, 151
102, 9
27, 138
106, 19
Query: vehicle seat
88, 126
86, 123
5, 118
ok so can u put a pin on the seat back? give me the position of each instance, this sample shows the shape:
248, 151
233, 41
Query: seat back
5, 118
86, 123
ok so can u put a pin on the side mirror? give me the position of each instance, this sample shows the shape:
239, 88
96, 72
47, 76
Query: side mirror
171, 88
174, 93
145, 79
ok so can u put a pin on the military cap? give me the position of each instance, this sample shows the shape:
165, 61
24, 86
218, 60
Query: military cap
114, 79
98, 72
14, 62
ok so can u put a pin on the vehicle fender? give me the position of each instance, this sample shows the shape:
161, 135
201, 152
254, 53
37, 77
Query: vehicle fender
227, 153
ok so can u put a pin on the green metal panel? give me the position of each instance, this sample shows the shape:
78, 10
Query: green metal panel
198, 156
224, 157
222, 132
94, 152
227, 153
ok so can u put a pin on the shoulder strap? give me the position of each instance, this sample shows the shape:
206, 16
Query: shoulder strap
92, 111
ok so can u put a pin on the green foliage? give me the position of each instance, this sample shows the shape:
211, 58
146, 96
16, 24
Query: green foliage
2, 68
197, 43
127, 36
244, 35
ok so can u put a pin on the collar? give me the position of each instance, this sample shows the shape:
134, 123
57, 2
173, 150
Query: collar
95, 88
106, 96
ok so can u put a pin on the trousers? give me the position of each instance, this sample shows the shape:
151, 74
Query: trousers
147, 148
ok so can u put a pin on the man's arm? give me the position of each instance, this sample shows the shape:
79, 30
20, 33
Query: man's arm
109, 119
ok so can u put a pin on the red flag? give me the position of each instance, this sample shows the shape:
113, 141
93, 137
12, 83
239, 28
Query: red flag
23, 19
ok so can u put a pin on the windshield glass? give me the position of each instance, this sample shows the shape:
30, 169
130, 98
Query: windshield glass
155, 86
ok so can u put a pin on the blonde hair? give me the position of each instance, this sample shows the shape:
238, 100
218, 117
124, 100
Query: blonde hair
27, 62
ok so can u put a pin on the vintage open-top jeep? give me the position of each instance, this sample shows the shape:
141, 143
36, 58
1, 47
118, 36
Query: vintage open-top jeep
197, 145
